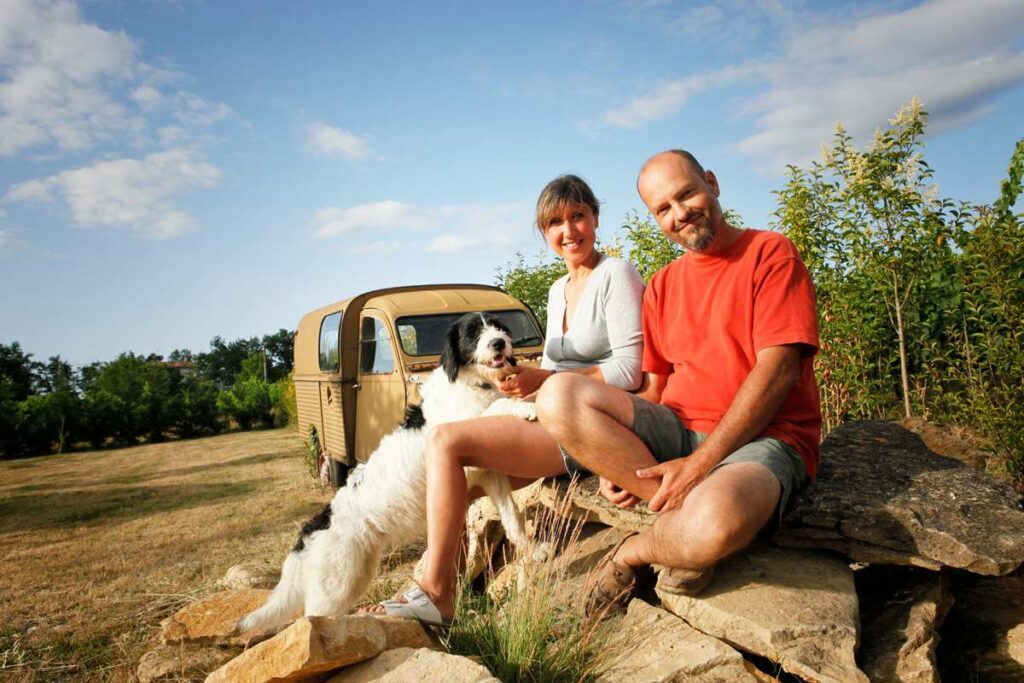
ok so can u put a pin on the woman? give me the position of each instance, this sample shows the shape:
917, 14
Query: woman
593, 329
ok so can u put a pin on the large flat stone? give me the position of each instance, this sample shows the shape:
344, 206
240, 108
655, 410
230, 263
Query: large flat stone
406, 664
797, 608
315, 646
881, 494
212, 619
901, 611
655, 646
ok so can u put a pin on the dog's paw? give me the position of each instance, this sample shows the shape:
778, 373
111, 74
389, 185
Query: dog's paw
542, 552
525, 410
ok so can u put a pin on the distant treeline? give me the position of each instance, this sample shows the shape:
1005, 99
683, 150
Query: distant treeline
52, 407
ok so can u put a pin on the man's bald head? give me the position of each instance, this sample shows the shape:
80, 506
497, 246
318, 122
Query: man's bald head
681, 153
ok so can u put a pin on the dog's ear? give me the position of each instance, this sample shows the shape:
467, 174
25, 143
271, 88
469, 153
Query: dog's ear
512, 361
451, 359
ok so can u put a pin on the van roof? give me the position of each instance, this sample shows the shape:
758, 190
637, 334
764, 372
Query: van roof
399, 301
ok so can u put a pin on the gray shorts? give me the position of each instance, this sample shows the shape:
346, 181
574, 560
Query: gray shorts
667, 439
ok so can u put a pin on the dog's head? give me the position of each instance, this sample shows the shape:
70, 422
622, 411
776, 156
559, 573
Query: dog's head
480, 343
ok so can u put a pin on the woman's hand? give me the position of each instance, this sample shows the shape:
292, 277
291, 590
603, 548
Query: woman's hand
620, 498
523, 381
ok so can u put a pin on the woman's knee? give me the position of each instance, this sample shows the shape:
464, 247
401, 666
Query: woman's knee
443, 444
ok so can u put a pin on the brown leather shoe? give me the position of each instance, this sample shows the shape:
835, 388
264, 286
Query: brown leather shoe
688, 582
610, 585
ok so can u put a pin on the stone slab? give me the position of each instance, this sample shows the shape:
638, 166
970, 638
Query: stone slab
315, 646
656, 646
796, 608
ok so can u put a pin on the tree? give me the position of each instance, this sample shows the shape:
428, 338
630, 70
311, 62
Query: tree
18, 373
222, 363
280, 352
530, 282
872, 219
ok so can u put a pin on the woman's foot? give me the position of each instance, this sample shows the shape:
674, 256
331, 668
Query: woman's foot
415, 604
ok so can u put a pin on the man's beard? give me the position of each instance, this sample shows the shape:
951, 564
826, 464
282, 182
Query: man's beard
701, 238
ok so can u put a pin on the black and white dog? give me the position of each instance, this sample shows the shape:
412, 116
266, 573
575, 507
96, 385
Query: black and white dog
383, 503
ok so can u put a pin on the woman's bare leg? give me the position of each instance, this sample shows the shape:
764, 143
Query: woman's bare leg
503, 444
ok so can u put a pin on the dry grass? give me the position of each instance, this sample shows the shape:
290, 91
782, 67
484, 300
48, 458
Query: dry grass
98, 547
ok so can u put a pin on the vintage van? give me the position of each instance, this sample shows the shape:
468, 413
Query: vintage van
360, 361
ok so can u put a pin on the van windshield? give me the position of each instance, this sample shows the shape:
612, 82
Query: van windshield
423, 335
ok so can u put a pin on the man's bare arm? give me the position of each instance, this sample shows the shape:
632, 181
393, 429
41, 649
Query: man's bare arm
758, 399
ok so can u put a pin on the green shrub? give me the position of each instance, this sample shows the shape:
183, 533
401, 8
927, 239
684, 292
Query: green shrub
248, 403
198, 407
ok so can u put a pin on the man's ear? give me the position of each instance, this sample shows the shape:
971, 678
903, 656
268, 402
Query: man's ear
712, 181
451, 359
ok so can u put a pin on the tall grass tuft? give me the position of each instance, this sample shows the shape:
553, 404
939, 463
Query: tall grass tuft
536, 632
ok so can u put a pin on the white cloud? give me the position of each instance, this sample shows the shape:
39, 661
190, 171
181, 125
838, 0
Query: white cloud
672, 96
955, 56
386, 215
472, 240
326, 139
5, 239
466, 226
71, 85
133, 194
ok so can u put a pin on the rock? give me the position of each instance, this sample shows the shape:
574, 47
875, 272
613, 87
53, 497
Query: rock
947, 441
798, 609
657, 646
407, 664
901, 611
212, 619
983, 637
581, 500
314, 646
882, 496
580, 552
251, 575
177, 662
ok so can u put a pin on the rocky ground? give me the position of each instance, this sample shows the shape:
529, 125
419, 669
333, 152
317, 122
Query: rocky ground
898, 565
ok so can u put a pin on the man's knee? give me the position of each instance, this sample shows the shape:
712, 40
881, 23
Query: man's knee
697, 537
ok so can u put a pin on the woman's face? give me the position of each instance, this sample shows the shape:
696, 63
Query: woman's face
572, 232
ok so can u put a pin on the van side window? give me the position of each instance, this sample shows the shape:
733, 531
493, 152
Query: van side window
375, 354
329, 342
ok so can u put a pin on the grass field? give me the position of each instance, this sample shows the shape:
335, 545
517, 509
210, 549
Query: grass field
96, 548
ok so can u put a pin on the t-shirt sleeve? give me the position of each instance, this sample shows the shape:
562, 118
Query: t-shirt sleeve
784, 304
623, 298
653, 360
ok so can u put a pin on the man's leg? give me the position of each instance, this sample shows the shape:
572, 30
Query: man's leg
721, 516
593, 422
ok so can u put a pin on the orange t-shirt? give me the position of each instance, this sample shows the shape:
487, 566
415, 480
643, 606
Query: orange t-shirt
706, 317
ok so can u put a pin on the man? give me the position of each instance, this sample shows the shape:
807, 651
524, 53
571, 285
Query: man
730, 331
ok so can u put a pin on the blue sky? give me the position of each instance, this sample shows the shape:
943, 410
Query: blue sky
170, 171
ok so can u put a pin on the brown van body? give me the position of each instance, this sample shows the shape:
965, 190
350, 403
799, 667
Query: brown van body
359, 394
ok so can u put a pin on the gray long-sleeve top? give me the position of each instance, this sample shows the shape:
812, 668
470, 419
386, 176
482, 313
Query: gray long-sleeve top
605, 328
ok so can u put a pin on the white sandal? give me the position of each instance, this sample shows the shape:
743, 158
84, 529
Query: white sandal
418, 606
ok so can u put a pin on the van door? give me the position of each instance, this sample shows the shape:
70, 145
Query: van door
332, 431
381, 395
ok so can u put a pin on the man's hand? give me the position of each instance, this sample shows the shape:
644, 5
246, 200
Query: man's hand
620, 498
523, 381
678, 477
